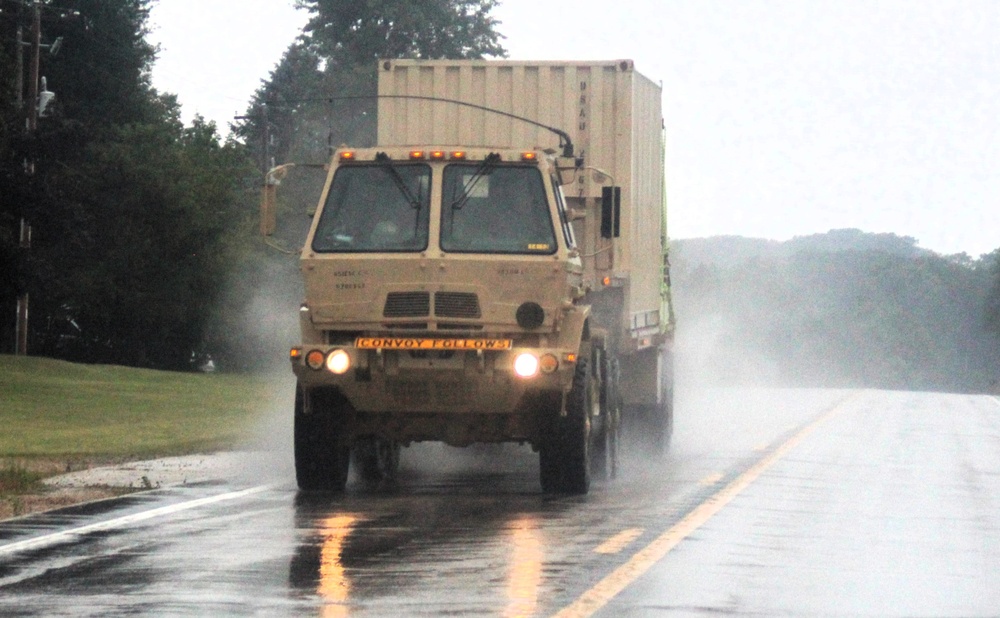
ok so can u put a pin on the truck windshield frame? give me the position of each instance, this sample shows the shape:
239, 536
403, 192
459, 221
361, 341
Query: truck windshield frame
381, 207
505, 210
567, 227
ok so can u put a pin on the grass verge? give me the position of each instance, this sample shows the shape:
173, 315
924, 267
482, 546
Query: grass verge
57, 416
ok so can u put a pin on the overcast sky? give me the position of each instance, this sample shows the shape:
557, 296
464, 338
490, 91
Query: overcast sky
784, 118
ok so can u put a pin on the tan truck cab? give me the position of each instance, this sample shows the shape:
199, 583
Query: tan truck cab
462, 291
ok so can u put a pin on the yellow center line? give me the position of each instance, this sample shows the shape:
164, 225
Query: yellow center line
601, 594
619, 541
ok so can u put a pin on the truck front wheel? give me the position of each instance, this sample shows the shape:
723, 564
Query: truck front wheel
321, 457
375, 459
564, 457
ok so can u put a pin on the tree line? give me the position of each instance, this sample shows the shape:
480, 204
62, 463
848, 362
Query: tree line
142, 248
842, 309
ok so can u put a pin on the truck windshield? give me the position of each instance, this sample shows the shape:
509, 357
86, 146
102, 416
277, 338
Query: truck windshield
504, 211
375, 208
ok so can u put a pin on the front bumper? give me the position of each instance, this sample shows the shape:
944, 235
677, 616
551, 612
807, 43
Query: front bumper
466, 381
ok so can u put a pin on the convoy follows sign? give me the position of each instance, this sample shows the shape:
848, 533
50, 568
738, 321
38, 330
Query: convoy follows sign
412, 343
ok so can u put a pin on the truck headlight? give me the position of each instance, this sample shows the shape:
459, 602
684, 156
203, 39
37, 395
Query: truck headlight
338, 362
526, 365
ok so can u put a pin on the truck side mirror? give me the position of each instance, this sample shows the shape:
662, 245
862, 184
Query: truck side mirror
269, 198
611, 212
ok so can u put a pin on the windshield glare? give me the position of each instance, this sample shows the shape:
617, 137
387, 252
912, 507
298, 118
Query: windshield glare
504, 210
369, 209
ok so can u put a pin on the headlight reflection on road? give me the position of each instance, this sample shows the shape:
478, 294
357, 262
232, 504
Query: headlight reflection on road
525, 577
334, 586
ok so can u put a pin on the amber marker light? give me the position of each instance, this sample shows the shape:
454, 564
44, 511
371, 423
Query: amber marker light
338, 362
548, 363
416, 155
295, 354
531, 157
458, 155
347, 155
607, 281
569, 357
437, 155
315, 359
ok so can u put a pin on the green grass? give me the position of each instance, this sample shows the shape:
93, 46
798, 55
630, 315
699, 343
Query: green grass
52, 408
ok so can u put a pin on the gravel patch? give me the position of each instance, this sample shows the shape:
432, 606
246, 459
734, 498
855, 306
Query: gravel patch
157, 472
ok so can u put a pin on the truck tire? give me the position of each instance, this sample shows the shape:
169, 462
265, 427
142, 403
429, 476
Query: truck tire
321, 458
564, 458
604, 455
375, 459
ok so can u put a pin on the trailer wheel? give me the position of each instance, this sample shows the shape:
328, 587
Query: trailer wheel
564, 458
650, 427
666, 421
665, 417
321, 457
376, 459
658, 424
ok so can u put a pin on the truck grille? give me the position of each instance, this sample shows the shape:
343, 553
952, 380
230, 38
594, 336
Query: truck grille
407, 305
418, 304
456, 305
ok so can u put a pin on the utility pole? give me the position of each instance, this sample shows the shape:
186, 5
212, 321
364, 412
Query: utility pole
34, 76
23, 299
268, 141
31, 127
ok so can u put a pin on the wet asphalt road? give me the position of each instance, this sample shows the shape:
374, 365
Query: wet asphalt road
772, 502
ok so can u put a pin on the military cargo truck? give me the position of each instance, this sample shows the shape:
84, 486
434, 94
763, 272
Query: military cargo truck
495, 270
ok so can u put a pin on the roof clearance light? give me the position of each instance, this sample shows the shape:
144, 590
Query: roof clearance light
416, 155
338, 362
531, 157
347, 155
458, 154
526, 365
437, 155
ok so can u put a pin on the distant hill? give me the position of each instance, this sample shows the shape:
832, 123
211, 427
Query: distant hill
841, 309
733, 250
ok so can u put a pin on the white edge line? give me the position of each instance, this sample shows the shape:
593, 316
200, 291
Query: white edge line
65, 535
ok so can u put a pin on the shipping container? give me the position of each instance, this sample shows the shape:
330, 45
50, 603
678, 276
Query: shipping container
611, 112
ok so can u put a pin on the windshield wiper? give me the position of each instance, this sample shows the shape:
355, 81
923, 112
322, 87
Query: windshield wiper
411, 199
484, 168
